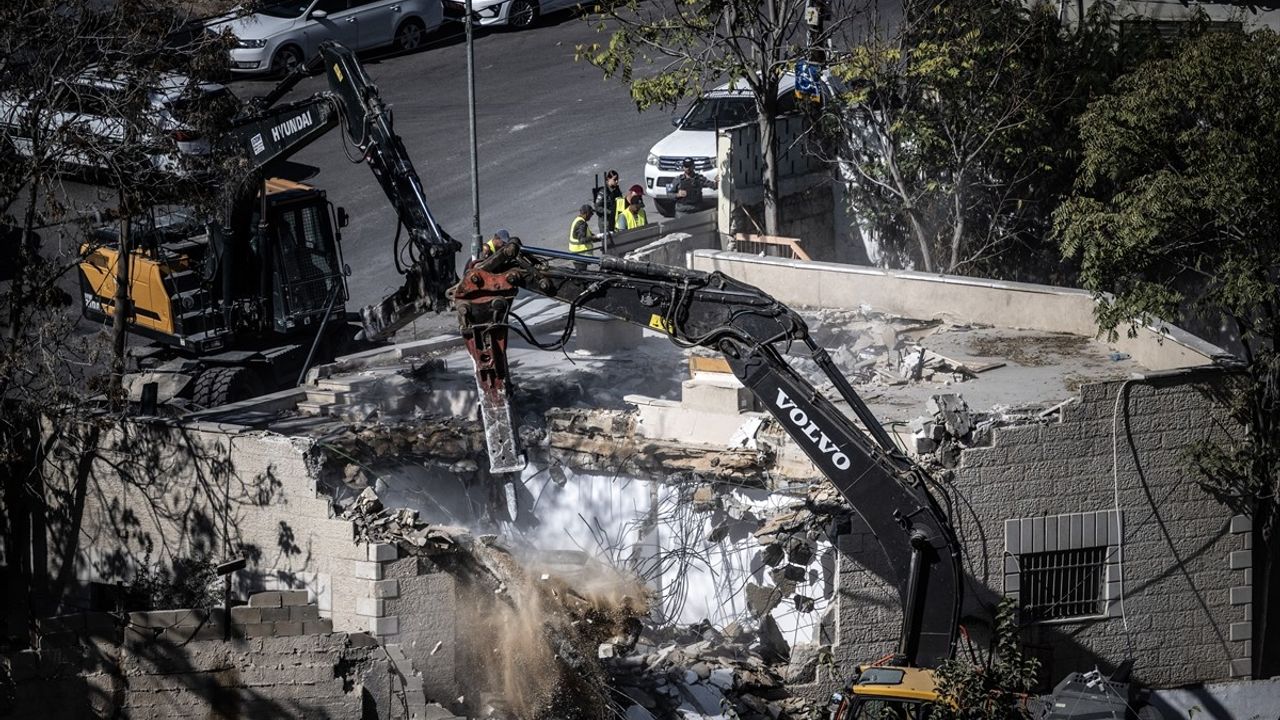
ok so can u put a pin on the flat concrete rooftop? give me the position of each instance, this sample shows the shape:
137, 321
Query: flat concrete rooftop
998, 345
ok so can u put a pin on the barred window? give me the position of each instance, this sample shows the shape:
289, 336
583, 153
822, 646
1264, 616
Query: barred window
1064, 567
1062, 584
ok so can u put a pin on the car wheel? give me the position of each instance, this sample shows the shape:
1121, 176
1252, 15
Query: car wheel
286, 60
521, 14
410, 35
665, 208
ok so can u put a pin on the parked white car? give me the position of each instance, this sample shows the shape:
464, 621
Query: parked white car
81, 118
514, 14
695, 137
282, 35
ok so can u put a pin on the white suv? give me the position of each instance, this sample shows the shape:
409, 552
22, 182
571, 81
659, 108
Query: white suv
695, 137
283, 34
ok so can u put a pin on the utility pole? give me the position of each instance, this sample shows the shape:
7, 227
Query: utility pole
815, 15
471, 123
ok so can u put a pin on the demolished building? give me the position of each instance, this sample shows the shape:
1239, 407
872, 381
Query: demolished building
1060, 457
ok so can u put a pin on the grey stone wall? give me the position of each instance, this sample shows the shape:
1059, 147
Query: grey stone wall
174, 663
807, 198
1177, 589
132, 497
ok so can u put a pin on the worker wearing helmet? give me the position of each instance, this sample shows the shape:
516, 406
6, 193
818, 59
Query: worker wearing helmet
500, 238
632, 215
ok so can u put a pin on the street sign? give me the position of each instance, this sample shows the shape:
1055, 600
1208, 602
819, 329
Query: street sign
807, 87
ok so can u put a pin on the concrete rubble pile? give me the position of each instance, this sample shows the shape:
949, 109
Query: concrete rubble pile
607, 657
701, 672
871, 348
950, 426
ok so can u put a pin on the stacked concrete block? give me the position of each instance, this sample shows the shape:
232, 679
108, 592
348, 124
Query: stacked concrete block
1240, 596
719, 393
278, 614
379, 570
274, 511
1110, 473
174, 663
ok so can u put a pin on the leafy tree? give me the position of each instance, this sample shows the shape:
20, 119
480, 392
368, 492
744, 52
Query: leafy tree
956, 132
995, 688
1177, 213
667, 50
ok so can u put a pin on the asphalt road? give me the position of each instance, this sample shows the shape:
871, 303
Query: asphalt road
546, 125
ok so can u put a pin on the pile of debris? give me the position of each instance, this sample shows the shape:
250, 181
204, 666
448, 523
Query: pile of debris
544, 645
950, 426
872, 348
701, 672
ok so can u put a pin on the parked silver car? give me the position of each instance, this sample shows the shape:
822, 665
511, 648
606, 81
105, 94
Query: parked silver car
82, 120
281, 35
513, 14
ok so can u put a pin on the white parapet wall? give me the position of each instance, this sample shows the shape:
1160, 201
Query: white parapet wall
955, 299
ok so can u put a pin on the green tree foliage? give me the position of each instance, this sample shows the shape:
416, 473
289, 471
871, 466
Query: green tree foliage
994, 689
1178, 211
668, 50
957, 132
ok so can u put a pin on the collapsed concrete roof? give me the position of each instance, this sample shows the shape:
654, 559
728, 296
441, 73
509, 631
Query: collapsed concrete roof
901, 337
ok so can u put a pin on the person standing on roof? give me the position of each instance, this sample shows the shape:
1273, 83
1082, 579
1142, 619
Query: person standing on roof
632, 216
688, 189
609, 201
580, 236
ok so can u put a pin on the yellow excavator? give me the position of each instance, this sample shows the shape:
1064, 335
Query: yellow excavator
247, 303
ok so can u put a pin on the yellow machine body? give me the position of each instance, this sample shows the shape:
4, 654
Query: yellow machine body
152, 306
886, 691
151, 289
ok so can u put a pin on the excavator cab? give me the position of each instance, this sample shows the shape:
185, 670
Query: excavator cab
187, 295
304, 252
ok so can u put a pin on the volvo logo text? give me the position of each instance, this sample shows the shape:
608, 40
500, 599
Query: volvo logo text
810, 429
291, 126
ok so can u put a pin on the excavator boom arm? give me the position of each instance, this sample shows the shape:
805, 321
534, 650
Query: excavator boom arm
748, 326
270, 133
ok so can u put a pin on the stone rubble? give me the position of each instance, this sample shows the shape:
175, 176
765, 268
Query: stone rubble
686, 672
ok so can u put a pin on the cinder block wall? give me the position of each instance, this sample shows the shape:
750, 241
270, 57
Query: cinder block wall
174, 663
131, 497
1177, 578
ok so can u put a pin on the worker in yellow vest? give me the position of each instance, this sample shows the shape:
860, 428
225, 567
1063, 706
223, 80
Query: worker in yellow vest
500, 238
632, 216
580, 236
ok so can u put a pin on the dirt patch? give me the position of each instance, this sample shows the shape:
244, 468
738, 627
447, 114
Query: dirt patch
1029, 350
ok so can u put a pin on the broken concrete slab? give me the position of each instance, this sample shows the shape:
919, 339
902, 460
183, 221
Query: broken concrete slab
717, 393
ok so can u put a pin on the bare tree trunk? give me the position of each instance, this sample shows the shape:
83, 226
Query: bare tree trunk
769, 144
957, 227
917, 225
17, 292
123, 304
922, 237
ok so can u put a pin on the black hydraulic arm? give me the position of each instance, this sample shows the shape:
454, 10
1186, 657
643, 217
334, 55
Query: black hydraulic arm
753, 331
430, 269
268, 132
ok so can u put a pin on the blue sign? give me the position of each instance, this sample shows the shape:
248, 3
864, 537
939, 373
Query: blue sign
807, 80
